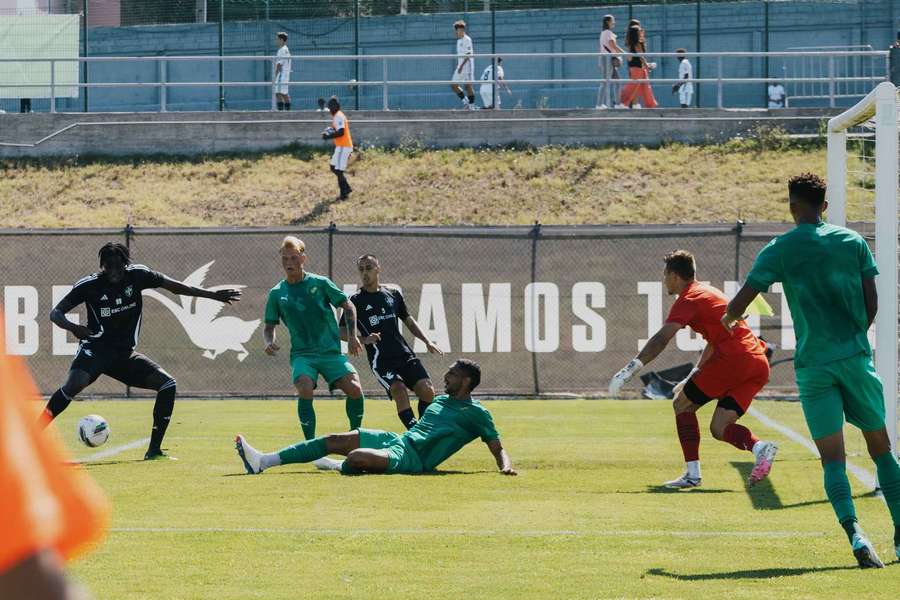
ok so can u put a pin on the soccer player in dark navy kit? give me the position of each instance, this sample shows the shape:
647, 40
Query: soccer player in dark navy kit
113, 300
379, 311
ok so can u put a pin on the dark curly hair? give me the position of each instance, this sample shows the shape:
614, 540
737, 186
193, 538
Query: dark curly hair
472, 370
114, 249
681, 262
808, 187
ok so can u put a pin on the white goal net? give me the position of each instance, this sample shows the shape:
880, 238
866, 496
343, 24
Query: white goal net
862, 192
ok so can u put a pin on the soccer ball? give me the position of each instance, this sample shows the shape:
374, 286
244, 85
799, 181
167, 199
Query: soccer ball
93, 430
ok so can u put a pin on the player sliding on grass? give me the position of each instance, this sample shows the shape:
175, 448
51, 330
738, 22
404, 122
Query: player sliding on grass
828, 274
379, 310
452, 421
114, 302
303, 301
732, 368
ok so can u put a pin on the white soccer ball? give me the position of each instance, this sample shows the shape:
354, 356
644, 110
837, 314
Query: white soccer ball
93, 430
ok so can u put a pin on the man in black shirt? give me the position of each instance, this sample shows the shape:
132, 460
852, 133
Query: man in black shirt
113, 300
379, 310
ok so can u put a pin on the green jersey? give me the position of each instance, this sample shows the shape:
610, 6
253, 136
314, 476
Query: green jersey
305, 309
822, 267
447, 426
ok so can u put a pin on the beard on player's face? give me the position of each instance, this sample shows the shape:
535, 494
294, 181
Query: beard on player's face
113, 271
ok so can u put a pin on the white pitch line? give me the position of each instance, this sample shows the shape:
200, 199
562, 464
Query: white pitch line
864, 476
114, 450
464, 532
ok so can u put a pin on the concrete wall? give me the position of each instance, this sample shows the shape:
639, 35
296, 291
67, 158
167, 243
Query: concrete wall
725, 26
201, 133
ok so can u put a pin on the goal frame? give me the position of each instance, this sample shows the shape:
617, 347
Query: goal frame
881, 105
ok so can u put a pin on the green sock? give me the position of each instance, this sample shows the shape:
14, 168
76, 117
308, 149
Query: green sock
837, 487
889, 478
307, 415
303, 452
355, 409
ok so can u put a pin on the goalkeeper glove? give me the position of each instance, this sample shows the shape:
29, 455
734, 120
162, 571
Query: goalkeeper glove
680, 385
624, 376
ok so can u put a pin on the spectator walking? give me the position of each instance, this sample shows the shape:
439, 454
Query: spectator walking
487, 88
464, 73
282, 77
609, 63
777, 95
343, 144
638, 69
684, 88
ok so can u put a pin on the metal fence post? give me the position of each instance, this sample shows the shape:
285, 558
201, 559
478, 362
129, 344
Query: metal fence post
384, 89
332, 228
535, 234
52, 86
163, 67
221, 54
738, 232
356, 51
84, 53
719, 82
831, 81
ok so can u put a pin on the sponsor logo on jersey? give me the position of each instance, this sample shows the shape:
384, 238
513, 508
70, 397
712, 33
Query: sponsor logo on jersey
105, 311
103, 297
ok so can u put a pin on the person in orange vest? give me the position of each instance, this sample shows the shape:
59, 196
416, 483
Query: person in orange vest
52, 510
343, 144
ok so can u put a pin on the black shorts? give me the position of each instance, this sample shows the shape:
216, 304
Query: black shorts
127, 366
409, 370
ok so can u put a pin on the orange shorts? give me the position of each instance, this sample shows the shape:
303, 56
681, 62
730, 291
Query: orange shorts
733, 380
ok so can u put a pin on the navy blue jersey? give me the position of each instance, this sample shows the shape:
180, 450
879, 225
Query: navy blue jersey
381, 312
114, 310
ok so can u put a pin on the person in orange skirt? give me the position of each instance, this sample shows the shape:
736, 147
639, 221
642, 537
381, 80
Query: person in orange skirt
52, 511
638, 68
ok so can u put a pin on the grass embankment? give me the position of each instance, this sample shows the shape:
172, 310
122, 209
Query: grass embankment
673, 184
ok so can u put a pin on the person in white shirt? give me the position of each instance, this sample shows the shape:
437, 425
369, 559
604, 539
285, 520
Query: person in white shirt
777, 95
609, 63
282, 77
684, 87
465, 67
487, 88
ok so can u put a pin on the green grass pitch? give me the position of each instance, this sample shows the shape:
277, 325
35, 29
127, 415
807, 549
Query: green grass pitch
584, 519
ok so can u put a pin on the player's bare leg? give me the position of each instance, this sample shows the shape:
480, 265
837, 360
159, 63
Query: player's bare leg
837, 488
366, 460
725, 428
689, 437
256, 462
424, 390
354, 405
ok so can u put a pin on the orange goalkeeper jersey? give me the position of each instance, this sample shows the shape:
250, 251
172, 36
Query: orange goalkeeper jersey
44, 502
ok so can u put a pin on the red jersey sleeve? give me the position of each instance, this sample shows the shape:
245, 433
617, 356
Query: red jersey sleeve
682, 312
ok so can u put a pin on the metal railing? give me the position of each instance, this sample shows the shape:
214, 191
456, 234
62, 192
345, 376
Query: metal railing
878, 60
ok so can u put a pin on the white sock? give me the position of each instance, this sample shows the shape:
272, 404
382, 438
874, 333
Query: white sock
269, 460
756, 447
693, 469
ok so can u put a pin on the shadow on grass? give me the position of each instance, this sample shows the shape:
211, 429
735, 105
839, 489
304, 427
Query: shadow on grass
317, 211
104, 463
317, 472
661, 489
748, 574
764, 497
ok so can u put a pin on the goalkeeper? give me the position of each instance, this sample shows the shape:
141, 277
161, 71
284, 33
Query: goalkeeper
733, 368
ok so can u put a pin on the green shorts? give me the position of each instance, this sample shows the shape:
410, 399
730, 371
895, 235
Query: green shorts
402, 457
331, 366
850, 387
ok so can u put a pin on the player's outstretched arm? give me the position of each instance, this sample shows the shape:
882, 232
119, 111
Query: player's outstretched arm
503, 461
353, 344
654, 346
58, 318
417, 332
176, 287
737, 308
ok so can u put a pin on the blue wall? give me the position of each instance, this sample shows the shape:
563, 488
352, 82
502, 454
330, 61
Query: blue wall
733, 26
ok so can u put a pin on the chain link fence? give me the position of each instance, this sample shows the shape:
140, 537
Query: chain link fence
545, 310
378, 27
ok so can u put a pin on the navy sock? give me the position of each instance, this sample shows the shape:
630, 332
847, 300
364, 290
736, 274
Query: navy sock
162, 413
407, 418
57, 403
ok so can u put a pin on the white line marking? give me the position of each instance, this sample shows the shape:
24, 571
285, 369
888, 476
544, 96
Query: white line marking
473, 533
864, 476
114, 450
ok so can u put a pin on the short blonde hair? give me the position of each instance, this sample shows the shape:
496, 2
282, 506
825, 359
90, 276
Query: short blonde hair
294, 243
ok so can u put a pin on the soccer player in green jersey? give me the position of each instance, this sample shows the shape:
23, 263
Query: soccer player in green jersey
450, 422
303, 301
828, 274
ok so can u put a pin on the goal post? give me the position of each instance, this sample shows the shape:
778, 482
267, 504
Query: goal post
872, 123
